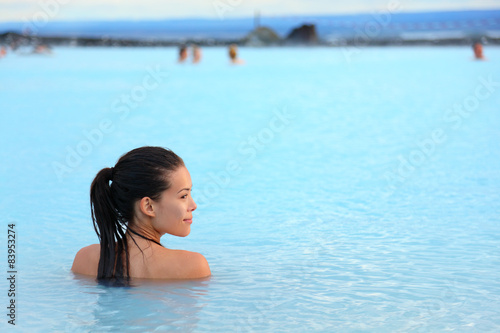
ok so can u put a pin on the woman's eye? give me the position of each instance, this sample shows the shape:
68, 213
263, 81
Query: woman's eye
184, 196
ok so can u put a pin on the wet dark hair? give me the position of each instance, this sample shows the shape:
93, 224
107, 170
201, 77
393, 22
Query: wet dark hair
142, 172
182, 49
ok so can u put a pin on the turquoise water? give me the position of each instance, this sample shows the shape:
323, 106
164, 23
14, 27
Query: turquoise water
352, 190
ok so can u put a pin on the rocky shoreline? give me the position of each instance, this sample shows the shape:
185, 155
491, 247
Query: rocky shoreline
302, 36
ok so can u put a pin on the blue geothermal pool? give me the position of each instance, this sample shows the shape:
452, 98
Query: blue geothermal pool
338, 190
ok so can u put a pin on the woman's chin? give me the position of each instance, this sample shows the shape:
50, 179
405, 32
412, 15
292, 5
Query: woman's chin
184, 233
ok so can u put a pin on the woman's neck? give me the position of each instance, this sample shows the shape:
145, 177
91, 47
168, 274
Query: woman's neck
143, 234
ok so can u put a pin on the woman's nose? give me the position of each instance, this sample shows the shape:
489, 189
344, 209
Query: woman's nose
193, 205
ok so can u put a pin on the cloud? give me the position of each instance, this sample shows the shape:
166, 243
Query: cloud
17, 10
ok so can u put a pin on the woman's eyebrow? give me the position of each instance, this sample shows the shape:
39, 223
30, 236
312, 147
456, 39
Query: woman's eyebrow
186, 188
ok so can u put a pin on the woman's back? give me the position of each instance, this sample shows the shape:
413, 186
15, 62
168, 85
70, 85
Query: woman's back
154, 262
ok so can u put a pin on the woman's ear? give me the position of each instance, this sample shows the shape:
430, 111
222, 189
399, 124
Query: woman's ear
146, 207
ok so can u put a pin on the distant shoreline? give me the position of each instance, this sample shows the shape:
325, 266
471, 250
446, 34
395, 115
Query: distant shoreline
30, 40
388, 27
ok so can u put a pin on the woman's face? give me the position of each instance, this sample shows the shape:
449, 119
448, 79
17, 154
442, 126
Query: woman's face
174, 209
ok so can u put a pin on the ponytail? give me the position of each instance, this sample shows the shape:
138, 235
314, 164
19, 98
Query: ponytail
109, 228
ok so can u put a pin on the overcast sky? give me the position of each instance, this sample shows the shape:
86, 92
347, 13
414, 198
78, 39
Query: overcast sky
19, 10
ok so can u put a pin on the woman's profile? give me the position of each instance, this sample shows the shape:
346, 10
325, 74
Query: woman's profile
145, 195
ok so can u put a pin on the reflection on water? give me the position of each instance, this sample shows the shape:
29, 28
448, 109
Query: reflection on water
148, 305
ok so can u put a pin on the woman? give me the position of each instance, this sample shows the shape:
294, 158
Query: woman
233, 55
146, 195
183, 53
478, 51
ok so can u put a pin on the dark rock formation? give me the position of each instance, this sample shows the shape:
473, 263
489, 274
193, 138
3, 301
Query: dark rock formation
305, 34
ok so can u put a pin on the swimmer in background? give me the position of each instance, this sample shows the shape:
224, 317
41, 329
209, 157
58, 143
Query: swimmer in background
478, 51
233, 55
145, 195
42, 49
183, 53
3, 51
196, 54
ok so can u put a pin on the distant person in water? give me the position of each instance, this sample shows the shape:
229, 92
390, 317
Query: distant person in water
3, 51
145, 195
183, 53
478, 51
196, 54
42, 49
233, 55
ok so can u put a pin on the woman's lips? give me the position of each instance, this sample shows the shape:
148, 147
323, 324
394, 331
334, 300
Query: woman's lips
188, 221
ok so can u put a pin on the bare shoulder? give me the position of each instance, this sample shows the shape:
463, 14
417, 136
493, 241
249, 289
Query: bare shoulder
181, 264
195, 264
87, 260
